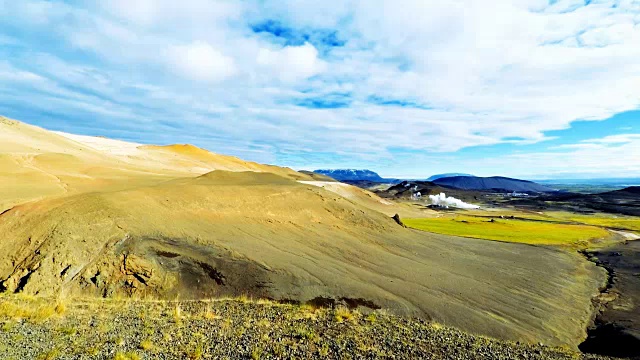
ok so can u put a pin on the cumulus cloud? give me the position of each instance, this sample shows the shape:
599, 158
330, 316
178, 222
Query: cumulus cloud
291, 63
421, 76
200, 61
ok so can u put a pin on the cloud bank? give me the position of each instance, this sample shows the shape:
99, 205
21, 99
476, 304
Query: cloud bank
309, 83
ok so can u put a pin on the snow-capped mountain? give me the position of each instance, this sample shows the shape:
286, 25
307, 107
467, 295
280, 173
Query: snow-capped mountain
352, 175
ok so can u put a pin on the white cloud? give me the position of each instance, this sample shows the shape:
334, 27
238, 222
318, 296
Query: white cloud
200, 61
189, 13
611, 156
291, 63
444, 75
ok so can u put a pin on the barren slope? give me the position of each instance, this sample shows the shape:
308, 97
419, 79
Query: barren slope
36, 163
229, 233
100, 217
370, 200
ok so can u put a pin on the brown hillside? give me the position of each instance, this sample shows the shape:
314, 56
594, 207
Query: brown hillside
98, 217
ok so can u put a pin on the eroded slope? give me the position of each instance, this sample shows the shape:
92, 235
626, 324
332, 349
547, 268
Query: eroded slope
260, 234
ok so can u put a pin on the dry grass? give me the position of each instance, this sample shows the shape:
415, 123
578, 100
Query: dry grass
69, 331
256, 353
357, 334
195, 353
146, 345
209, 315
50, 355
342, 314
177, 314
371, 318
127, 356
30, 308
264, 323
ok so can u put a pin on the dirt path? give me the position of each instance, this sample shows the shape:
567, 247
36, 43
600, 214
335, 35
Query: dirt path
626, 234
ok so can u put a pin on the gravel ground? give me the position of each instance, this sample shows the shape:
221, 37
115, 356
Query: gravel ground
235, 329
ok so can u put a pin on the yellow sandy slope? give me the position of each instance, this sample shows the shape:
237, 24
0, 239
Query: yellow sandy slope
369, 199
118, 218
36, 163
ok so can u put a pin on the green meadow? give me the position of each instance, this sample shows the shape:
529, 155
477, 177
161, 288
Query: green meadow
509, 230
604, 220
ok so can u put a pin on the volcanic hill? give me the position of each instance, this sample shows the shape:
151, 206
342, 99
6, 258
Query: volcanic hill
494, 183
97, 217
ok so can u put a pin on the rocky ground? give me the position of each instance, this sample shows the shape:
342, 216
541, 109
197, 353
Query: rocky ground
33, 328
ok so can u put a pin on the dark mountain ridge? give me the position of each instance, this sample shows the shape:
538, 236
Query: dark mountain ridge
441, 176
625, 201
629, 191
354, 175
494, 183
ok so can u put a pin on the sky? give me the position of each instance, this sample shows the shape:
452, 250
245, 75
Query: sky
407, 88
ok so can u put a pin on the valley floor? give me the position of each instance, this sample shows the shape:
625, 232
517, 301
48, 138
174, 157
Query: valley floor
37, 328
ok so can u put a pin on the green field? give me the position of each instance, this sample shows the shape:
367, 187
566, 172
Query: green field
519, 231
604, 220
618, 222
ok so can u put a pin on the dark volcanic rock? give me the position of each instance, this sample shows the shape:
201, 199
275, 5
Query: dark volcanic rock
616, 331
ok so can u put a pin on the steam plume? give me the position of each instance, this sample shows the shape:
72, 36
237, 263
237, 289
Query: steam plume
443, 200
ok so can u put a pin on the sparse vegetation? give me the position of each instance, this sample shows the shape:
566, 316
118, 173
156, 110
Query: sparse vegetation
268, 330
127, 356
342, 314
50, 354
119, 341
146, 344
256, 353
60, 308
29, 308
209, 315
177, 313
195, 352
371, 318
69, 331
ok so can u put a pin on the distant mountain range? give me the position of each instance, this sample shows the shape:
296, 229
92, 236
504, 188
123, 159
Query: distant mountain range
494, 183
623, 182
625, 201
440, 176
354, 175
451, 180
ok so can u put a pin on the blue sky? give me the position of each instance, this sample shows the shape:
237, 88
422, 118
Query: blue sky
525, 88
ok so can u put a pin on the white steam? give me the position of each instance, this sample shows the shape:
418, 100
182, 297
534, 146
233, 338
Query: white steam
444, 201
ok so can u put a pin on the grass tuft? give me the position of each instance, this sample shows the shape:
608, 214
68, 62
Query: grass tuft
60, 308
324, 350
69, 331
256, 353
209, 315
127, 356
195, 353
371, 318
177, 314
146, 345
342, 314
50, 355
